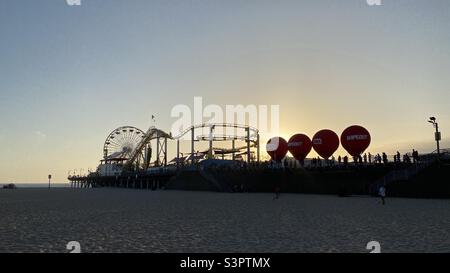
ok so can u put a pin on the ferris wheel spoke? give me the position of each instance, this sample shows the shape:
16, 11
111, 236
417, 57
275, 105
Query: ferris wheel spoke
129, 136
113, 146
123, 139
136, 138
114, 143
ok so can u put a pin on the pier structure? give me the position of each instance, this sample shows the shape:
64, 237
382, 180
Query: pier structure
129, 180
127, 154
221, 132
127, 163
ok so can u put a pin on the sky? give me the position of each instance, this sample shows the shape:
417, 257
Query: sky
69, 75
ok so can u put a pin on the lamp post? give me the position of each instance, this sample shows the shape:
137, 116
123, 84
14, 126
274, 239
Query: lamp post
49, 178
437, 135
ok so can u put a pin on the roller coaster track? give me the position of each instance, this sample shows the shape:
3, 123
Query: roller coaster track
223, 125
153, 133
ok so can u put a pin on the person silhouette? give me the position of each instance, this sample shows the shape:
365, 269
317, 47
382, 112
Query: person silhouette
382, 193
385, 159
379, 158
277, 191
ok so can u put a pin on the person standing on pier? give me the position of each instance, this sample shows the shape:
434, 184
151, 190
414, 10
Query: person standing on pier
385, 159
415, 156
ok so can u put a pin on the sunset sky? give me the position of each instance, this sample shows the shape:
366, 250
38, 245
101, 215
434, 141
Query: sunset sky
69, 75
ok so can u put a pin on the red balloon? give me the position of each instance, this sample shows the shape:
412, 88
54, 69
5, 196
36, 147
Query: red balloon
277, 148
355, 140
300, 146
325, 143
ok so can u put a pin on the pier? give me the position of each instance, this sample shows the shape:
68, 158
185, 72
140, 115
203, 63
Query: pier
128, 163
131, 180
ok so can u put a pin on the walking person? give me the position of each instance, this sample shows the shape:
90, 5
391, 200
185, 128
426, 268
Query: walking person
382, 194
277, 192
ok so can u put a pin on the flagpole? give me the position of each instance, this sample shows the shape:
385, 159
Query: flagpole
153, 120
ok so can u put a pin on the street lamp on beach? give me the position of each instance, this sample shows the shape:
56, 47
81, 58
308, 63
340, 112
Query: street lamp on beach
437, 135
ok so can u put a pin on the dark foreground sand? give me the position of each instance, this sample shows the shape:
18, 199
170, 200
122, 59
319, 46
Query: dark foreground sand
120, 220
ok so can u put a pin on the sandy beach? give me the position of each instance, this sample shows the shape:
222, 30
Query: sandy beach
120, 220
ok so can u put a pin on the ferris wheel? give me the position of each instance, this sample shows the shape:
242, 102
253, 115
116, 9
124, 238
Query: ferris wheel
122, 142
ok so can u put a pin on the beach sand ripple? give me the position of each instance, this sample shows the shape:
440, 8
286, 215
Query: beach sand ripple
122, 220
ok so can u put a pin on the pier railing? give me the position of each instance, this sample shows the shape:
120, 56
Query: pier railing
402, 175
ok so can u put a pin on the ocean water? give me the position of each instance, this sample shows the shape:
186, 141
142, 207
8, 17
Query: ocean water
37, 185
